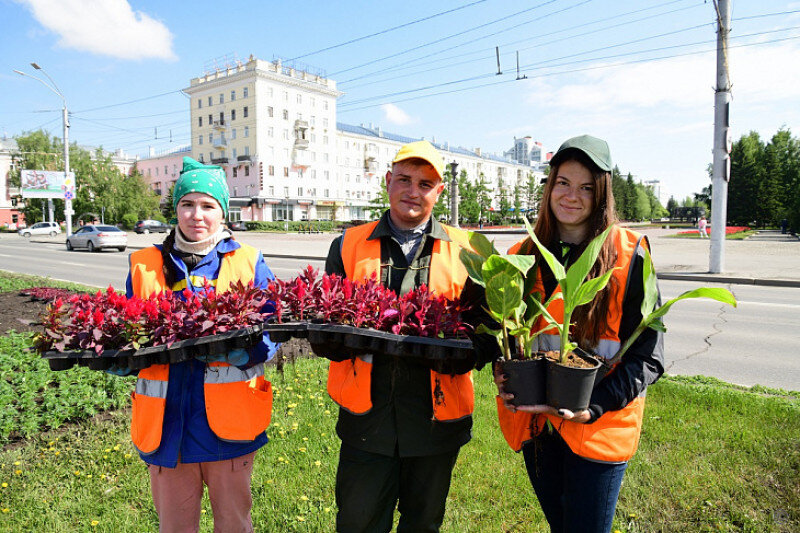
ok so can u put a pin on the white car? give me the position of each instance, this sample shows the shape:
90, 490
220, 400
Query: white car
41, 228
96, 237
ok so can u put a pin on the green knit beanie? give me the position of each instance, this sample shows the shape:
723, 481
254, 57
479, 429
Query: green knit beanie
207, 179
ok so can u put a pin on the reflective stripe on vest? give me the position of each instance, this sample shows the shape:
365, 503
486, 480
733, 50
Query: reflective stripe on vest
238, 402
349, 381
614, 436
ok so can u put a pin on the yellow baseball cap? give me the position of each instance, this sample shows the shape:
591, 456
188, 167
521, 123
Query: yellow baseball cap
421, 150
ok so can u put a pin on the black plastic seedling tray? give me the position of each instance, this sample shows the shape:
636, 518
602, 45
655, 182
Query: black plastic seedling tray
175, 353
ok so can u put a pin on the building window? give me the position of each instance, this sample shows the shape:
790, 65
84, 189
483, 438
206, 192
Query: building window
299, 191
324, 139
199, 103
313, 137
234, 156
285, 134
270, 92
247, 170
313, 121
148, 172
210, 119
271, 170
286, 191
247, 131
199, 122
199, 139
286, 173
325, 157
327, 177
210, 156
269, 111
324, 122
156, 171
313, 174
221, 98
285, 96
299, 98
244, 111
270, 132
285, 114
235, 189
233, 114
210, 138
233, 133
325, 105
327, 193
233, 96
222, 117
313, 102
247, 150
234, 169
271, 190
244, 92
210, 102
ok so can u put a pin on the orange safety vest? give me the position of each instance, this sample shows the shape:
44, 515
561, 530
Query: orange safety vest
349, 381
238, 402
614, 436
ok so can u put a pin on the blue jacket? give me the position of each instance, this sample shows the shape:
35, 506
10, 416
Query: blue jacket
186, 434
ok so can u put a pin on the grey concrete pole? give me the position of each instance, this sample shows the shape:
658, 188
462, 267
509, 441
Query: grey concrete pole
722, 141
454, 195
67, 201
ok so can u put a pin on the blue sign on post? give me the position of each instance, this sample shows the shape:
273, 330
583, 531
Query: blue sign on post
68, 195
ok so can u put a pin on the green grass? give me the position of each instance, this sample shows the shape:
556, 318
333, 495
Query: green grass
12, 281
713, 458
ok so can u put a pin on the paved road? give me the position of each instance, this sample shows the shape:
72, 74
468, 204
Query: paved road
756, 343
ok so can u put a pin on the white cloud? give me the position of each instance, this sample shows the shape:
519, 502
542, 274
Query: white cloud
395, 115
104, 27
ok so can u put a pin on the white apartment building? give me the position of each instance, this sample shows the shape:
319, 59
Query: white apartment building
274, 130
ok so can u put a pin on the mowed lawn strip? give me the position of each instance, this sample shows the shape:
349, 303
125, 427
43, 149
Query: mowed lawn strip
713, 456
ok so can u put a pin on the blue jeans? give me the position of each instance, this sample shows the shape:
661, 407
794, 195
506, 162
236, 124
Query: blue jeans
576, 495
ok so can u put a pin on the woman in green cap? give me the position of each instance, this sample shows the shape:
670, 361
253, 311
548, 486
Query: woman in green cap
201, 421
576, 460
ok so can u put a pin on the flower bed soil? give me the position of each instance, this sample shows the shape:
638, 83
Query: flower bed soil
18, 312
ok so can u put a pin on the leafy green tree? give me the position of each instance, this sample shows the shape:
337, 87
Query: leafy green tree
517, 201
747, 170
631, 199
378, 205
618, 188
533, 194
672, 204
468, 207
441, 211
482, 194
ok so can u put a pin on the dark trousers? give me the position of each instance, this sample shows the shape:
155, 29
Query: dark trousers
576, 495
369, 486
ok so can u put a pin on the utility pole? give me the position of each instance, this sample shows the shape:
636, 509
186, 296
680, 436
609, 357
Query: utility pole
454, 195
722, 141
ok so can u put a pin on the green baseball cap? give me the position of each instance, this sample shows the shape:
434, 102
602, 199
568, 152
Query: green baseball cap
207, 179
596, 149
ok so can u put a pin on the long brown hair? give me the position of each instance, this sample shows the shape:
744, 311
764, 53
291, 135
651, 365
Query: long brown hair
590, 320
170, 276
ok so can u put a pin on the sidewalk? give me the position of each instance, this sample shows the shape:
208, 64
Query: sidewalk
767, 258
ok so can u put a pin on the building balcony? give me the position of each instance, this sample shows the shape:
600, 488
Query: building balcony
219, 161
220, 143
219, 125
242, 158
371, 152
300, 124
301, 144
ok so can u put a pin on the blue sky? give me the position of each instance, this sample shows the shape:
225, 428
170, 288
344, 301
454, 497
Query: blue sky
637, 73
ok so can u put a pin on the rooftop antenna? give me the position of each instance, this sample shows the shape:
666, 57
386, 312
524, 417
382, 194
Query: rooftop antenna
497, 51
523, 76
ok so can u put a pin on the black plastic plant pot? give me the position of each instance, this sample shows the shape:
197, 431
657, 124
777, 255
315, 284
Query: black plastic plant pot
571, 387
526, 380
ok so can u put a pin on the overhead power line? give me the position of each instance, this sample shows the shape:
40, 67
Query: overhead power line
387, 30
128, 102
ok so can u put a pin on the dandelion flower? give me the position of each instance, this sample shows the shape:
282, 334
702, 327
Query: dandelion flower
302, 449
16, 463
289, 413
95, 522
317, 463
301, 518
6, 510
127, 456
202, 511
305, 439
4, 485
116, 448
18, 472
107, 450
304, 498
327, 509
77, 472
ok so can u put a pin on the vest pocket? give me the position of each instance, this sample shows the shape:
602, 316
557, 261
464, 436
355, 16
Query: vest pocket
147, 421
239, 411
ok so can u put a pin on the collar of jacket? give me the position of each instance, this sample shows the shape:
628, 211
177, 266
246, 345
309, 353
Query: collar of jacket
382, 229
223, 247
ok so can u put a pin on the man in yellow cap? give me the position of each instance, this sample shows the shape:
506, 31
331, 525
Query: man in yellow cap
401, 422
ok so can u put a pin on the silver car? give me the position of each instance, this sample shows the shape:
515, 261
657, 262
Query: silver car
41, 228
96, 237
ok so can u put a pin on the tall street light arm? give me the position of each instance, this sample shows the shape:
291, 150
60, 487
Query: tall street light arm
65, 118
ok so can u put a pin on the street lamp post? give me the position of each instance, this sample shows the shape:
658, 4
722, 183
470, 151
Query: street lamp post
286, 215
454, 195
65, 119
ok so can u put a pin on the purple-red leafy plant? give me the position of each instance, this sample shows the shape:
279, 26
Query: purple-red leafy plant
110, 321
367, 304
47, 294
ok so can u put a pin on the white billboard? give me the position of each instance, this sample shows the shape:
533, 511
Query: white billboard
46, 184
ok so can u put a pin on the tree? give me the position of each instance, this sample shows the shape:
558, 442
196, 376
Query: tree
517, 201
482, 194
378, 205
533, 194
618, 188
441, 210
747, 170
468, 207
631, 199
100, 185
672, 204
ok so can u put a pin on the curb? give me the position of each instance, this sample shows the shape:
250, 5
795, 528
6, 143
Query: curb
717, 278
